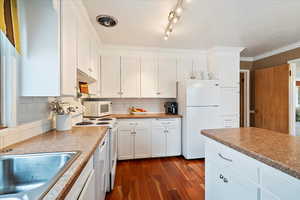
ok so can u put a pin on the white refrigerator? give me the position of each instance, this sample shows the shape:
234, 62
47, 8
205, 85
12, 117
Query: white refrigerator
199, 103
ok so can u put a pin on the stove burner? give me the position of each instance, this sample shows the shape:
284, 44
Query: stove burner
105, 119
102, 123
84, 123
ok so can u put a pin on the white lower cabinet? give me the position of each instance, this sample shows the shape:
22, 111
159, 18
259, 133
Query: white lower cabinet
125, 144
232, 175
224, 184
88, 192
80, 184
134, 139
166, 137
93, 180
158, 142
148, 138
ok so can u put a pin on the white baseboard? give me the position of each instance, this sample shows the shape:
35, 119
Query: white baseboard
20, 133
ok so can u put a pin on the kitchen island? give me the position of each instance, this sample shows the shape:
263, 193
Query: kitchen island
251, 163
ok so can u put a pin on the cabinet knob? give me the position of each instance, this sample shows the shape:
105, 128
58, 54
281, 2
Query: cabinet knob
225, 180
158, 93
221, 176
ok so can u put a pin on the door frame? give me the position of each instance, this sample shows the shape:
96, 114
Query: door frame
246, 73
292, 97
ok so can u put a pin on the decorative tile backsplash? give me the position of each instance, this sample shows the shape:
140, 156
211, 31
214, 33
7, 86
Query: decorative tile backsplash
121, 106
32, 109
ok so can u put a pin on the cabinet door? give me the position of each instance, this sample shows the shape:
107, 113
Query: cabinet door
167, 77
130, 76
83, 47
223, 184
185, 69
228, 69
149, 77
230, 99
88, 192
69, 50
142, 143
93, 70
214, 187
173, 141
110, 76
95, 87
158, 142
125, 143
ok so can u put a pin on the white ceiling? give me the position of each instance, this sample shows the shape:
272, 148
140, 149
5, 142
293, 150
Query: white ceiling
258, 25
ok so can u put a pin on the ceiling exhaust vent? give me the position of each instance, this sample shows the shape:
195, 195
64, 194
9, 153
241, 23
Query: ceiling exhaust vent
107, 21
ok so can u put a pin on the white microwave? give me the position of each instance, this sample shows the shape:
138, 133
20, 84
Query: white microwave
97, 108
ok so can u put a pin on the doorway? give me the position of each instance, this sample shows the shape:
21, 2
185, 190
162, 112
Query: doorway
294, 98
244, 98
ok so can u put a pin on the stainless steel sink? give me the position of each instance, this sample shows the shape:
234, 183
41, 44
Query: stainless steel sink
30, 176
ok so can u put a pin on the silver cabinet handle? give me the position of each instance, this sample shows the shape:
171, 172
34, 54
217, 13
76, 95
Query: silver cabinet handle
134, 133
224, 158
225, 180
166, 131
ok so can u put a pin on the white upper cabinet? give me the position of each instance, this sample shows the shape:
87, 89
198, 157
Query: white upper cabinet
41, 68
110, 76
94, 61
84, 48
167, 77
191, 67
149, 77
158, 77
69, 49
225, 65
130, 76
185, 69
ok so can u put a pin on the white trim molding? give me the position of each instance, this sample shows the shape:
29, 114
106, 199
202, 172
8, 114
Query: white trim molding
247, 59
278, 51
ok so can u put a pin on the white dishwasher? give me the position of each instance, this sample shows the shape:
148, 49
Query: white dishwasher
101, 163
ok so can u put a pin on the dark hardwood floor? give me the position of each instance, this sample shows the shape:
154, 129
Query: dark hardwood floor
159, 179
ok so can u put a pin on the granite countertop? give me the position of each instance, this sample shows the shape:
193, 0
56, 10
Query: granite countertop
143, 116
277, 150
84, 139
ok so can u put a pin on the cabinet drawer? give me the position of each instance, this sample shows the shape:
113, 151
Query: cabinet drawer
165, 122
133, 123
227, 157
279, 184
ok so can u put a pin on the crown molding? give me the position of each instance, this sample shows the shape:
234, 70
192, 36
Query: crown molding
247, 59
226, 49
145, 49
278, 51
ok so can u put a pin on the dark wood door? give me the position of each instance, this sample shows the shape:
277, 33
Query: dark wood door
242, 99
272, 98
